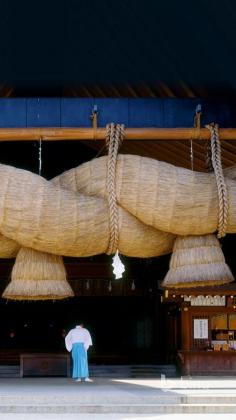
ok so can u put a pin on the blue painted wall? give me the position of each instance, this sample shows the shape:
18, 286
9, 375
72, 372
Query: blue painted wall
76, 112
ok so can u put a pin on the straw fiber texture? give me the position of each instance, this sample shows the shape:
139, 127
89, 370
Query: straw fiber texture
46, 216
69, 215
166, 197
8, 247
37, 276
197, 261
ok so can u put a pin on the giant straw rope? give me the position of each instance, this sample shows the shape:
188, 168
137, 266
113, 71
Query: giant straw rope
155, 201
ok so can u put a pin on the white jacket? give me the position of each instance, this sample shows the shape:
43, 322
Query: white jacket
78, 335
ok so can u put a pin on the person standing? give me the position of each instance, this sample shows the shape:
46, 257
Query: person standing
77, 341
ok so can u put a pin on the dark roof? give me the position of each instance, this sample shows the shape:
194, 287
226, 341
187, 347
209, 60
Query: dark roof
56, 44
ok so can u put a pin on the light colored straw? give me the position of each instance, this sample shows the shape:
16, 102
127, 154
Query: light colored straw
197, 261
37, 276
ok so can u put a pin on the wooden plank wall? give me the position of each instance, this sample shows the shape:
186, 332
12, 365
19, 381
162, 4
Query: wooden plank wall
76, 112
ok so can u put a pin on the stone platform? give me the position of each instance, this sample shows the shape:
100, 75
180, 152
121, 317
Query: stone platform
107, 396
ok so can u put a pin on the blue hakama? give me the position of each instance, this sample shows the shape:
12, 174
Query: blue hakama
80, 361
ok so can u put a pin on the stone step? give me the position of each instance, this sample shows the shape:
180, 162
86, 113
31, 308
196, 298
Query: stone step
109, 371
121, 408
83, 400
9, 371
132, 371
134, 396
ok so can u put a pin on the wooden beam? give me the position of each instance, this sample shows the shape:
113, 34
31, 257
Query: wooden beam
224, 289
83, 133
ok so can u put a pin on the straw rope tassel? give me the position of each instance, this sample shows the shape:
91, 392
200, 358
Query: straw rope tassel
220, 181
197, 261
38, 275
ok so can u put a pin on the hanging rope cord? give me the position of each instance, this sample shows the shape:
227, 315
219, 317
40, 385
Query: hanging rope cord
114, 138
220, 181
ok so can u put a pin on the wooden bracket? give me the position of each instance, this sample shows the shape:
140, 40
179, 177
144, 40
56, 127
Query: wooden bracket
94, 118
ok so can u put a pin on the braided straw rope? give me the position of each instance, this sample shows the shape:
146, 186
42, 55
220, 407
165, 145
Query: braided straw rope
114, 138
220, 181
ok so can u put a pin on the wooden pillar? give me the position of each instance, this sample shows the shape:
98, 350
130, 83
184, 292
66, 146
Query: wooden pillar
185, 329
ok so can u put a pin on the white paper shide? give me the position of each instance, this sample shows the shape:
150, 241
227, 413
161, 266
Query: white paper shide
118, 266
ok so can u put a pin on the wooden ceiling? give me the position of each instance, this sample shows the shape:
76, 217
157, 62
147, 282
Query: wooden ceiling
175, 152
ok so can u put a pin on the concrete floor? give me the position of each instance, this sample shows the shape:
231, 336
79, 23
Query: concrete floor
63, 398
